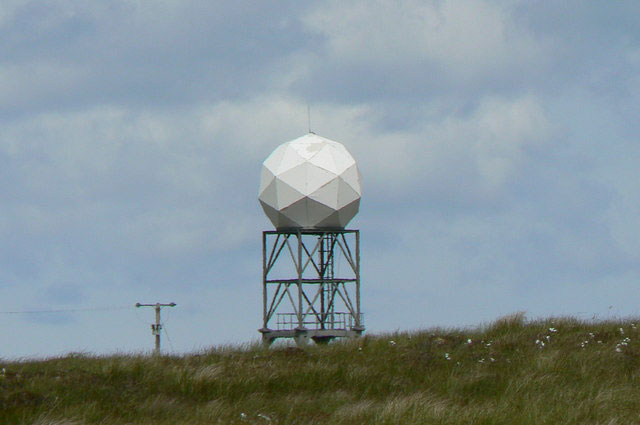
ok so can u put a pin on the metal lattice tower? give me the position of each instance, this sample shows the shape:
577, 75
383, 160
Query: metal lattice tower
302, 293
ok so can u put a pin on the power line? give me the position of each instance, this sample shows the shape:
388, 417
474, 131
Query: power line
67, 310
164, 328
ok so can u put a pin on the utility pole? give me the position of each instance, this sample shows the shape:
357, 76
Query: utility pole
155, 329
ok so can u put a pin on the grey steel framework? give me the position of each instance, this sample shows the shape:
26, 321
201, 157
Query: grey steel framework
308, 293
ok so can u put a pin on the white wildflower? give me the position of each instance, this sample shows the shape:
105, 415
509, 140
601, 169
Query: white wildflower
392, 342
446, 356
621, 331
553, 330
592, 335
469, 341
618, 350
492, 359
265, 417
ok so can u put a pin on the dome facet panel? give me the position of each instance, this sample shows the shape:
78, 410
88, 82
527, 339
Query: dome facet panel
310, 183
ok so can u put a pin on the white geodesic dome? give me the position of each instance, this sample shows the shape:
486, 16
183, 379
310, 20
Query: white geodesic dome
310, 183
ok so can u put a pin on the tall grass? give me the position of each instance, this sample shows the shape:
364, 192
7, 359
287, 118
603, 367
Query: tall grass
554, 371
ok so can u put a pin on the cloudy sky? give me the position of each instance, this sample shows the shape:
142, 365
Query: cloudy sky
498, 141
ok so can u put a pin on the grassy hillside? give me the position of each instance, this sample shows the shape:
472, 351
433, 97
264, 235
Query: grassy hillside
557, 371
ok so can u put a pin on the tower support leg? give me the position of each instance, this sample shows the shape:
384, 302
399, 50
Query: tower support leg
266, 341
301, 339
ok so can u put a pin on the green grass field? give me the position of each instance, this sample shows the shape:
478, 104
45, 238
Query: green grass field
556, 371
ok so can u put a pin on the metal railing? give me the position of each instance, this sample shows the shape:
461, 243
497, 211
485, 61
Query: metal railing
335, 321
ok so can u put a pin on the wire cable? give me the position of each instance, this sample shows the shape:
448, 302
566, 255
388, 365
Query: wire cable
137, 314
167, 315
67, 310
164, 328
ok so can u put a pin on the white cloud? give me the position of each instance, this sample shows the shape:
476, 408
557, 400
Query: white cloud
90, 145
473, 155
252, 128
141, 181
482, 150
622, 219
22, 85
146, 180
465, 39
8, 9
501, 132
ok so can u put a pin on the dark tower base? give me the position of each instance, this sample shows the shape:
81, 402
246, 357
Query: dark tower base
304, 289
